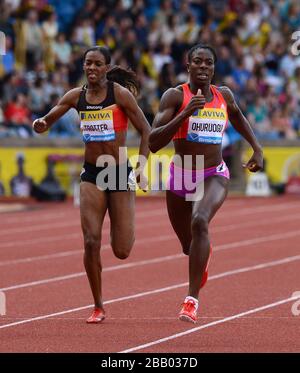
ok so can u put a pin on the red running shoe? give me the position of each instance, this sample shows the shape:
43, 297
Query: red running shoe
97, 316
189, 310
205, 275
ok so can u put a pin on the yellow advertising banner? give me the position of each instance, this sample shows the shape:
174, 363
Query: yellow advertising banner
68, 164
280, 162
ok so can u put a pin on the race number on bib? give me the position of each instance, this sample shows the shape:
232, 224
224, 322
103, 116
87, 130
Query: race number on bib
97, 125
207, 126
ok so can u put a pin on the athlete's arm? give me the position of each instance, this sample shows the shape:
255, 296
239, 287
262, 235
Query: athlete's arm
127, 102
241, 124
68, 101
165, 123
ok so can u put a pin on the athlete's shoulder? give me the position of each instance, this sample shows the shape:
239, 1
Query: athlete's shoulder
121, 92
71, 97
226, 93
75, 91
173, 95
116, 86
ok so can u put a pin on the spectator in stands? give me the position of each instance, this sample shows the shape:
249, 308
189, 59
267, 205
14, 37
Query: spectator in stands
18, 116
254, 40
62, 49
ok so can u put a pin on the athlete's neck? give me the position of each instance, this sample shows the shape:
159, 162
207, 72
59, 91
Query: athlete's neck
205, 89
101, 84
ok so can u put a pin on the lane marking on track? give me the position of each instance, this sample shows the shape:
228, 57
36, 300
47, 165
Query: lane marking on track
205, 326
40, 215
153, 223
63, 224
31, 220
157, 291
78, 235
171, 237
155, 212
107, 269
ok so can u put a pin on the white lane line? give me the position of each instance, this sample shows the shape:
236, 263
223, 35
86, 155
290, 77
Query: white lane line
72, 222
131, 265
205, 326
156, 212
39, 240
107, 269
268, 221
273, 237
45, 215
153, 223
157, 291
76, 252
171, 237
256, 209
78, 235
39, 215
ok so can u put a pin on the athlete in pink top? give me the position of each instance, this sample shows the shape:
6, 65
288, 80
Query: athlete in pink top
195, 115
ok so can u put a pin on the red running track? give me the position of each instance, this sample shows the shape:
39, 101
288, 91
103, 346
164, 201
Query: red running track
246, 305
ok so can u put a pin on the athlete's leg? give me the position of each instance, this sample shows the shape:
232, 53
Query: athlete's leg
180, 215
215, 191
93, 206
121, 207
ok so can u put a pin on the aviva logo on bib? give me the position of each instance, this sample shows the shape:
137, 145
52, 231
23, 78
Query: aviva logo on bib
211, 113
96, 115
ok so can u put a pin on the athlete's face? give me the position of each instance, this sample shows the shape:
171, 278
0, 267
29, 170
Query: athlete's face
95, 66
201, 67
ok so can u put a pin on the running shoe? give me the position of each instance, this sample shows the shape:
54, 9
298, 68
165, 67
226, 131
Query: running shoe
189, 310
97, 316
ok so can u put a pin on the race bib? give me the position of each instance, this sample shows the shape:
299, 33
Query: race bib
97, 125
207, 126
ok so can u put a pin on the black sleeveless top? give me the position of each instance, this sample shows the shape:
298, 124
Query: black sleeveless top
100, 122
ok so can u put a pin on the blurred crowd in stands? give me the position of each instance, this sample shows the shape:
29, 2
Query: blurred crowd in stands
45, 41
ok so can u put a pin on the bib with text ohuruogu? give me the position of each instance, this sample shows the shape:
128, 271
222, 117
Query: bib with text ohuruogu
97, 125
207, 126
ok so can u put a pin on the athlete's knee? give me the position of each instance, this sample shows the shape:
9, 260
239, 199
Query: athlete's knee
186, 250
185, 245
122, 252
91, 244
199, 223
122, 249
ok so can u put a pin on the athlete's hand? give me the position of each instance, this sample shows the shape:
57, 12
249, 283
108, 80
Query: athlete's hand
142, 181
197, 102
256, 162
40, 125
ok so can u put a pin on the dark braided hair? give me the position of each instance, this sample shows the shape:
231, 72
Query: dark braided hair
125, 77
202, 46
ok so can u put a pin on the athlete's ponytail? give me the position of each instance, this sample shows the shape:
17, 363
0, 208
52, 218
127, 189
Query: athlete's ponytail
125, 77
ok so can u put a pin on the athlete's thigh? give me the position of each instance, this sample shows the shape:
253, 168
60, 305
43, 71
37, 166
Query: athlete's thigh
215, 192
93, 206
180, 214
121, 207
